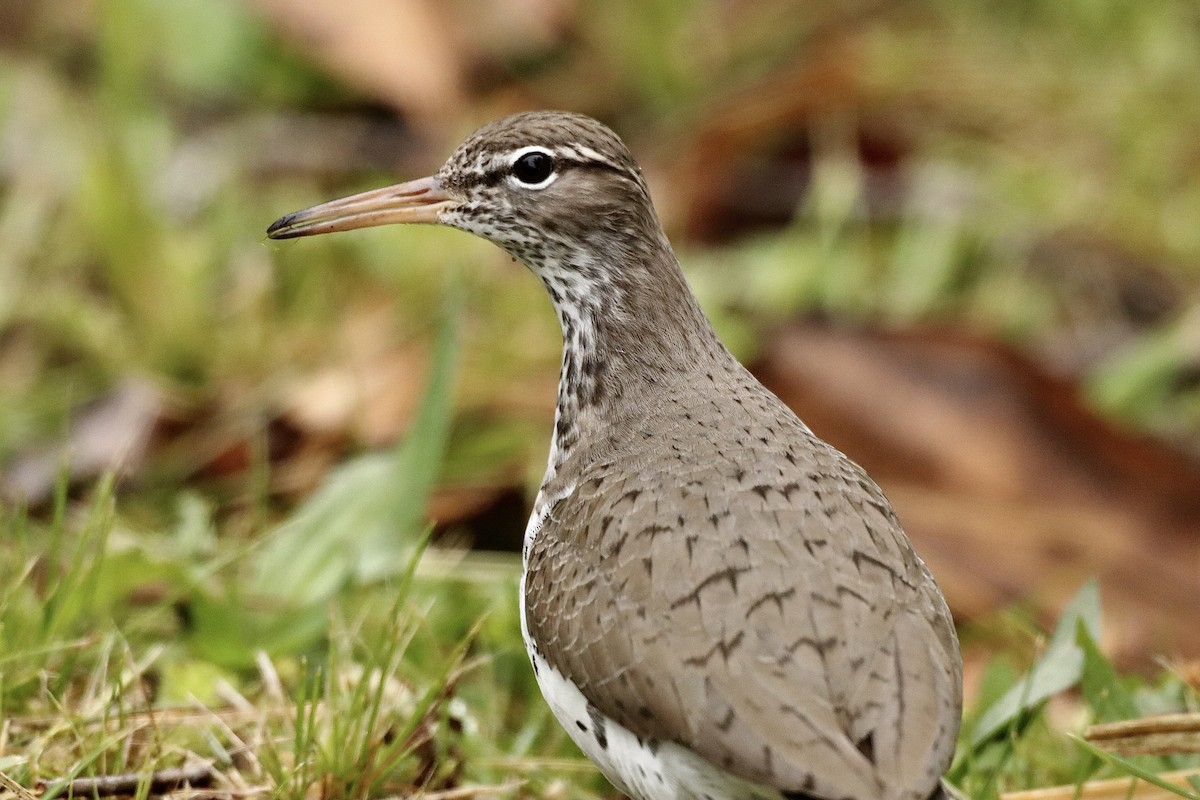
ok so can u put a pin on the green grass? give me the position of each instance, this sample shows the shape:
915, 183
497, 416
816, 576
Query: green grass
300, 639
413, 683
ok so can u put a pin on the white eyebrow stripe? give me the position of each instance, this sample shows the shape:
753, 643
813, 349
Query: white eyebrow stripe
583, 153
587, 153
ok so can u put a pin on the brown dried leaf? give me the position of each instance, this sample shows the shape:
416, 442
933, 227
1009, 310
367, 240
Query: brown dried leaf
111, 434
401, 51
371, 394
1010, 486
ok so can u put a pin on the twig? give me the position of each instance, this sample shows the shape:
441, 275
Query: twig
178, 715
464, 792
1129, 788
20, 791
1166, 734
161, 781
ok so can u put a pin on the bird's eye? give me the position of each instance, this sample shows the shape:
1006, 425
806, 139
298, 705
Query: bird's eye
534, 168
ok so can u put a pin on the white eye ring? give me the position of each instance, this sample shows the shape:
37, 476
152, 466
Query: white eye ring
547, 162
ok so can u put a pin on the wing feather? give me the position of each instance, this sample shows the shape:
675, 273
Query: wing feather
768, 613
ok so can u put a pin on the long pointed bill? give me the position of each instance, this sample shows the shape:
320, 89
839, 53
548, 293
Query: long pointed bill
416, 201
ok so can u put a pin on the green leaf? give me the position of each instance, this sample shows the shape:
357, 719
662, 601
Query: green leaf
1106, 695
1059, 668
363, 523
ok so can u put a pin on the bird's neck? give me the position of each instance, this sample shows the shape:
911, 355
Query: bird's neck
632, 329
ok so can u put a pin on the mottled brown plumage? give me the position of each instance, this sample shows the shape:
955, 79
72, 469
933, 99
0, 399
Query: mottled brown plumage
717, 603
732, 583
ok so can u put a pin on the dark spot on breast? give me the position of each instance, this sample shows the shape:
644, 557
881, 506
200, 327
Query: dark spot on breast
598, 728
866, 746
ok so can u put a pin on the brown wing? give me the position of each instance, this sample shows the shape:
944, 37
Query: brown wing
766, 611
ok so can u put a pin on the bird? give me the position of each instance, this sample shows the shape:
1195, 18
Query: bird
716, 603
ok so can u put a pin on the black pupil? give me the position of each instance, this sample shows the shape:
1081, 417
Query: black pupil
533, 167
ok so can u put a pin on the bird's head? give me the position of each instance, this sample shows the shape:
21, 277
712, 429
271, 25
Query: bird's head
542, 185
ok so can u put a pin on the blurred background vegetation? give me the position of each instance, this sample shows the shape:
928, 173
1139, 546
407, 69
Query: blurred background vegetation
963, 239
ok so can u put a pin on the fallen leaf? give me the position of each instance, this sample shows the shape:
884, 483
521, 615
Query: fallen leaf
1011, 487
401, 51
109, 435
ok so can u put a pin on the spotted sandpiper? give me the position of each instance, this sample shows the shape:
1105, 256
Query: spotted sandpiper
717, 604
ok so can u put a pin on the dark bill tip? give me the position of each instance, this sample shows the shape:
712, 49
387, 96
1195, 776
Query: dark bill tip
276, 230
